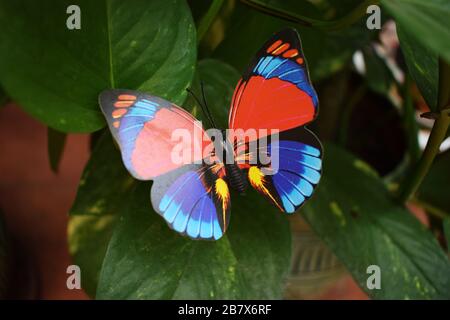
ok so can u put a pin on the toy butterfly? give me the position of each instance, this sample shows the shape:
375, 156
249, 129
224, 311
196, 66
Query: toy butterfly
275, 93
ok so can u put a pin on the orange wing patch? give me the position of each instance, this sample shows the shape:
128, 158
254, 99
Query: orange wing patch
118, 113
274, 45
290, 53
124, 101
278, 48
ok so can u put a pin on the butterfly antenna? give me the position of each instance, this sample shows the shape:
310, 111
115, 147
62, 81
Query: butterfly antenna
211, 119
203, 107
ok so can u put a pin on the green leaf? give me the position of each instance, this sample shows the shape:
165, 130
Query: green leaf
103, 185
56, 74
425, 21
422, 65
55, 147
446, 225
104, 179
208, 18
379, 77
147, 260
434, 188
88, 238
353, 213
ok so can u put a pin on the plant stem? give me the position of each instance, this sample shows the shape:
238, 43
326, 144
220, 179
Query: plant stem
437, 135
333, 25
207, 19
438, 213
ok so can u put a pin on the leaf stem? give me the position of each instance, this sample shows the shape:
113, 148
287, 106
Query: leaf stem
438, 213
56, 142
437, 135
332, 25
207, 19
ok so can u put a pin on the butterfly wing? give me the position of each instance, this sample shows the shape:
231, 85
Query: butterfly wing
293, 173
275, 92
143, 126
192, 197
194, 200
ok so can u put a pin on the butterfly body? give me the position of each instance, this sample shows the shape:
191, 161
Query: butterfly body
282, 160
226, 157
236, 177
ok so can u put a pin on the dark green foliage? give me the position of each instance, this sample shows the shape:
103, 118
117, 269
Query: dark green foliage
56, 74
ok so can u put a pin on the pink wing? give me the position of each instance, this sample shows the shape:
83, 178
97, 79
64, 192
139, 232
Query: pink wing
154, 135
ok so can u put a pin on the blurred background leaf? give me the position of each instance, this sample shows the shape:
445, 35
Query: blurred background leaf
424, 21
56, 141
354, 214
434, 189
422, 65
379, 77
56, 74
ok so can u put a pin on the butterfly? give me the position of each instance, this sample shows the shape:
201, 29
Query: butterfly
275, 94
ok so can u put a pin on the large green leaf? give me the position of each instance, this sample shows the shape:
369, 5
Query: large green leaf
422, 65
103, 179
425, 21
434, 188
103, 185
56, 74
147, 260
89, 237
354, 214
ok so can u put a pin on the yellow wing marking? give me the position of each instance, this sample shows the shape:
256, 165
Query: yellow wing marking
223, 193
257, 180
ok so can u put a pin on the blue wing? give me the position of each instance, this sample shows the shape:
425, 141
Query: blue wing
298, 173
194, 201
292, 181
